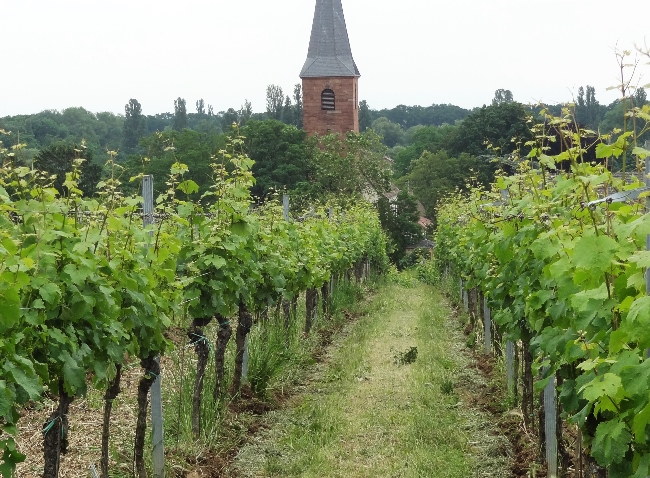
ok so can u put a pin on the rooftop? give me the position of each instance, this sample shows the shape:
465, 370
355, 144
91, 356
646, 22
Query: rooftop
329, 47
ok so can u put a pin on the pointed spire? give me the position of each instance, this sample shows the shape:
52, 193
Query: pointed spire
329, 48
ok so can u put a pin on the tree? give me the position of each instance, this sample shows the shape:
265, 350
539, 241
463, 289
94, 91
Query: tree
210, 110
434, 175
189, 147
280, 153
392, 134
297, 100
228, 118
365, 120
57, 160
200, 107
180, 114
245, 113
502, 96
504, 126
274, 102
134, 125
421, 139
288, 112
640, 97
399, 220
351, 166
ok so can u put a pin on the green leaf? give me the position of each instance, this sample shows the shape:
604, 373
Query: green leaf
641, 421
611, 442
6, 401
10, 300
642, 153
24, 376
607, 384
637, 323
74, 376
50, 293
595, 254
188, 187
604, 150
643, 470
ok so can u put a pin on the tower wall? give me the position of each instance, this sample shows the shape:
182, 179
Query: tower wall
345, 116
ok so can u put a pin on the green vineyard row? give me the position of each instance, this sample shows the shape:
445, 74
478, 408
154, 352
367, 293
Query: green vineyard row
564, 273
83, 284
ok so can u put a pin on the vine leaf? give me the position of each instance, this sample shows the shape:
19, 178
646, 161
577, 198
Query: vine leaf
595, 254
611, 442
604, 385
50, 293
74, 376
637, 322
641, 421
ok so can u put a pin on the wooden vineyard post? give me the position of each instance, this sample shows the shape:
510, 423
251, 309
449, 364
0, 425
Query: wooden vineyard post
550, 424
487, 326
156, 388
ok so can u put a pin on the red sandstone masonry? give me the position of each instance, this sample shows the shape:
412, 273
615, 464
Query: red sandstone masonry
341, 120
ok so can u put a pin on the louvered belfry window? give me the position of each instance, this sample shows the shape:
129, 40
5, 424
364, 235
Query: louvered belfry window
327, 100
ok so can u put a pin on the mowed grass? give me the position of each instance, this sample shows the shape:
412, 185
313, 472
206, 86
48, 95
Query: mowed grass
365, 414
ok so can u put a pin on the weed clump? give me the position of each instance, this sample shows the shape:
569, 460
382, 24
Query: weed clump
407, 357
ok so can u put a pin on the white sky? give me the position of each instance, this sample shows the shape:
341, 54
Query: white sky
100, 53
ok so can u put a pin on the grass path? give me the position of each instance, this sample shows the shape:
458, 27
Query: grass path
365, 414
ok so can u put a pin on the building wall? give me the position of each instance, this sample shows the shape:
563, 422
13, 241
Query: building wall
345, 116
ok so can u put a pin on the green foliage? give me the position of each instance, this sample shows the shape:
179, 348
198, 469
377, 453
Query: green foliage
420, 139
568, 278
281, 154
409, 116
58, 159
503, 125
414, 258
189, 147
436, 175
428, 273
347, 167
399, 219
180, 114
84, 286
391, 133
406, 357
134, 125
365, 119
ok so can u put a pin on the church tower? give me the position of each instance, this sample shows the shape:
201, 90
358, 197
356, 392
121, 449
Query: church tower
330, 78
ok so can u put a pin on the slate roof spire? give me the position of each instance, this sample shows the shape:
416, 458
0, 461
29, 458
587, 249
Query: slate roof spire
329, 53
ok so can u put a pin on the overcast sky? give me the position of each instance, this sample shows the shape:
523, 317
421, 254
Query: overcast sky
100, 53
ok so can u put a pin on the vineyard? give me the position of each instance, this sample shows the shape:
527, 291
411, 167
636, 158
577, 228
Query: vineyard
559, 251
91, 286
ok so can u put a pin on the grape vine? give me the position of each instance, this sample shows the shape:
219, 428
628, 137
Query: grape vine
563, 269
84, 286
